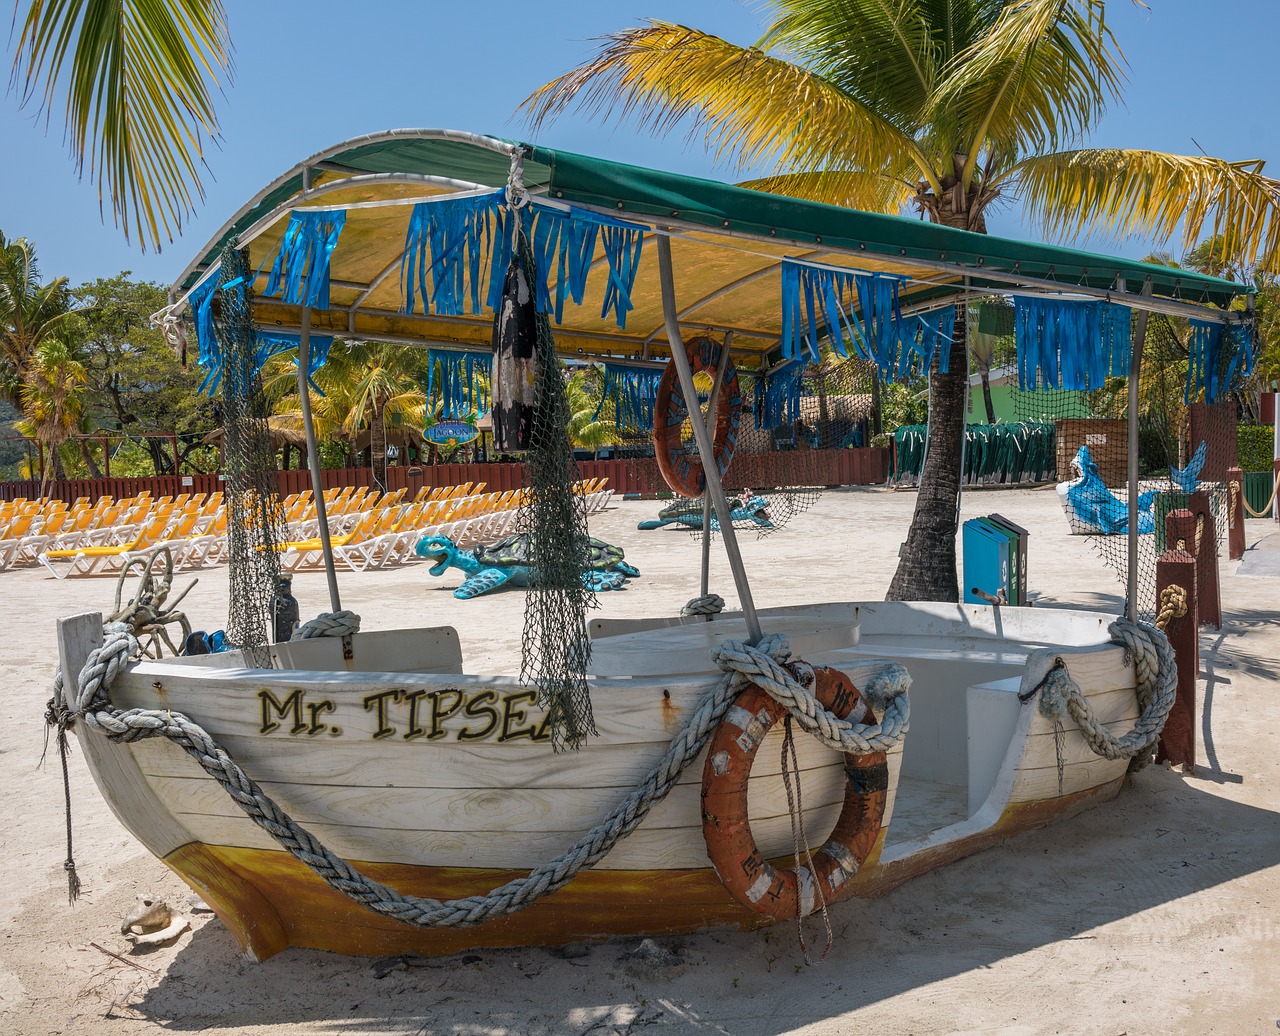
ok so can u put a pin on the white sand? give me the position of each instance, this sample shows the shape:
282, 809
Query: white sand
1157, 913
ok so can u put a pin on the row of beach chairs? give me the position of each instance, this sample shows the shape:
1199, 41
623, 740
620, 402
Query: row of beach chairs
367, 529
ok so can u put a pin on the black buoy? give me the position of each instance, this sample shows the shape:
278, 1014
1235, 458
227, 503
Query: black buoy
284, 609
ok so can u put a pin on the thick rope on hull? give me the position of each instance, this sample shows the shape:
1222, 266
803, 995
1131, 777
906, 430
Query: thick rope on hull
743, 665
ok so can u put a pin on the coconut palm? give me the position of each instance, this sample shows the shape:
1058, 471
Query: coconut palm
30, 313
362, 385
52, 402
589, 427
135, 81
944, 105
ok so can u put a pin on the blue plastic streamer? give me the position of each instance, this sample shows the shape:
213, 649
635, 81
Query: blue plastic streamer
201, 302
1208, 370
449, 240
622, 246
814, 306
304, 257
634, 391
778, 396
922, 334
463, 391
1070, 344
272, 343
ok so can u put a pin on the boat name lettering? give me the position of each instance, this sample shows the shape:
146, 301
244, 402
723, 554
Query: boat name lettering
417, 715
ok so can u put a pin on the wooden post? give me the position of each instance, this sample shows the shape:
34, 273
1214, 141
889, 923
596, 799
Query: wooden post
1235, 514
1177, 741
1183, 528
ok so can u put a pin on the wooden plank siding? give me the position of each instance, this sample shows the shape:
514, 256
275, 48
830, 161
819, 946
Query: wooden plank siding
852, 467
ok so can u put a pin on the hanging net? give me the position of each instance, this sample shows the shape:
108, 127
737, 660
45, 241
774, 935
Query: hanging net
255, 517
1186, 442
555, 646
794, 439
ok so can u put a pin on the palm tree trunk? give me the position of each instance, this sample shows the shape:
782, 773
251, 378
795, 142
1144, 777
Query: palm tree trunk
986, 395
927, 571
90, 461
378, 448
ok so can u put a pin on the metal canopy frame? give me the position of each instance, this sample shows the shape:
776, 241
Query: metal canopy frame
725, 251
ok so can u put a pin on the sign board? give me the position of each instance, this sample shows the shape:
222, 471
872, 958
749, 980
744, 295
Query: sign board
187, 480
451, 433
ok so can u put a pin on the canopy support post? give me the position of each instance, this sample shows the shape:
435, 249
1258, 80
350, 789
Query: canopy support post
1135, 374
313, 458
714, 402
706, 450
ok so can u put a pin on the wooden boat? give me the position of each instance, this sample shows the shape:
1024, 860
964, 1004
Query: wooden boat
440, 784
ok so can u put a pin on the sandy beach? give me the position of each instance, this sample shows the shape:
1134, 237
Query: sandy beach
1156, 913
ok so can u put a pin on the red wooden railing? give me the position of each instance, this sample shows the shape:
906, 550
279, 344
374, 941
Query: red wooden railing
854, 467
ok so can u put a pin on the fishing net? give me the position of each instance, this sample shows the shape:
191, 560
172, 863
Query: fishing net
1185, 446
555, 646
794, 440
255, 517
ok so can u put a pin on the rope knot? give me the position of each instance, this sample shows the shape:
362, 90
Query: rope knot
328, 624
707, 604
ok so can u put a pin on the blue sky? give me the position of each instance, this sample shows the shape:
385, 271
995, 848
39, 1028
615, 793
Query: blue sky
308, 76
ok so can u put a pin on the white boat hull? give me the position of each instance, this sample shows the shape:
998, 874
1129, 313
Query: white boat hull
445, 785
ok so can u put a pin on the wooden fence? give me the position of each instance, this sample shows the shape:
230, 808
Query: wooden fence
854, 467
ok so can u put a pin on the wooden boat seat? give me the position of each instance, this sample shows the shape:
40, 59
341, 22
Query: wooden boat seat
433, 650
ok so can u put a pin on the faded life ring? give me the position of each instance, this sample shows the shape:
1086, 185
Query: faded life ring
784, 893
680, 467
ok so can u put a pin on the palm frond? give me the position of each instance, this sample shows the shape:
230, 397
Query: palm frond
886, 53
137, 77
1039, 78
750, 107
849, 188
1121, 192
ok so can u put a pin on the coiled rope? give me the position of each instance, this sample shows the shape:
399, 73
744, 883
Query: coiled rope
742, 665
1156, 688
707, 604
328, 624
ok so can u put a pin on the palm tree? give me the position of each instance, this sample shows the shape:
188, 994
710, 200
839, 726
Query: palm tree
583, 389
944, 105
30, 313
363, 384
52, 402
134, 80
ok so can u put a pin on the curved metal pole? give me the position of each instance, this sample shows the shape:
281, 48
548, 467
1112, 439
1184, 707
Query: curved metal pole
313, 458
705, 448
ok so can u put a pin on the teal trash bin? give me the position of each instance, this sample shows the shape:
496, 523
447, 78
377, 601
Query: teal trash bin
987, 569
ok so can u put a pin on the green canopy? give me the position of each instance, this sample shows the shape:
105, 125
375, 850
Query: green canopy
728, 243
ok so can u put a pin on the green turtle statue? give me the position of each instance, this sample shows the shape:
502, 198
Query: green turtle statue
492, 565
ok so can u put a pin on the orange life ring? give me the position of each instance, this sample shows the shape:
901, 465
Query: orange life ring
680, 467
783, 893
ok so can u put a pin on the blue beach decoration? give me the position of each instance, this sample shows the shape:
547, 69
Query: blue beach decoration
1092, 508
634, 391
462, 382
300, 274
1070, 343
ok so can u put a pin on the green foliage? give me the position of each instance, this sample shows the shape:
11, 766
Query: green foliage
904, 403
587, 432
30, 313
136, 382
1256, 443
137, 81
